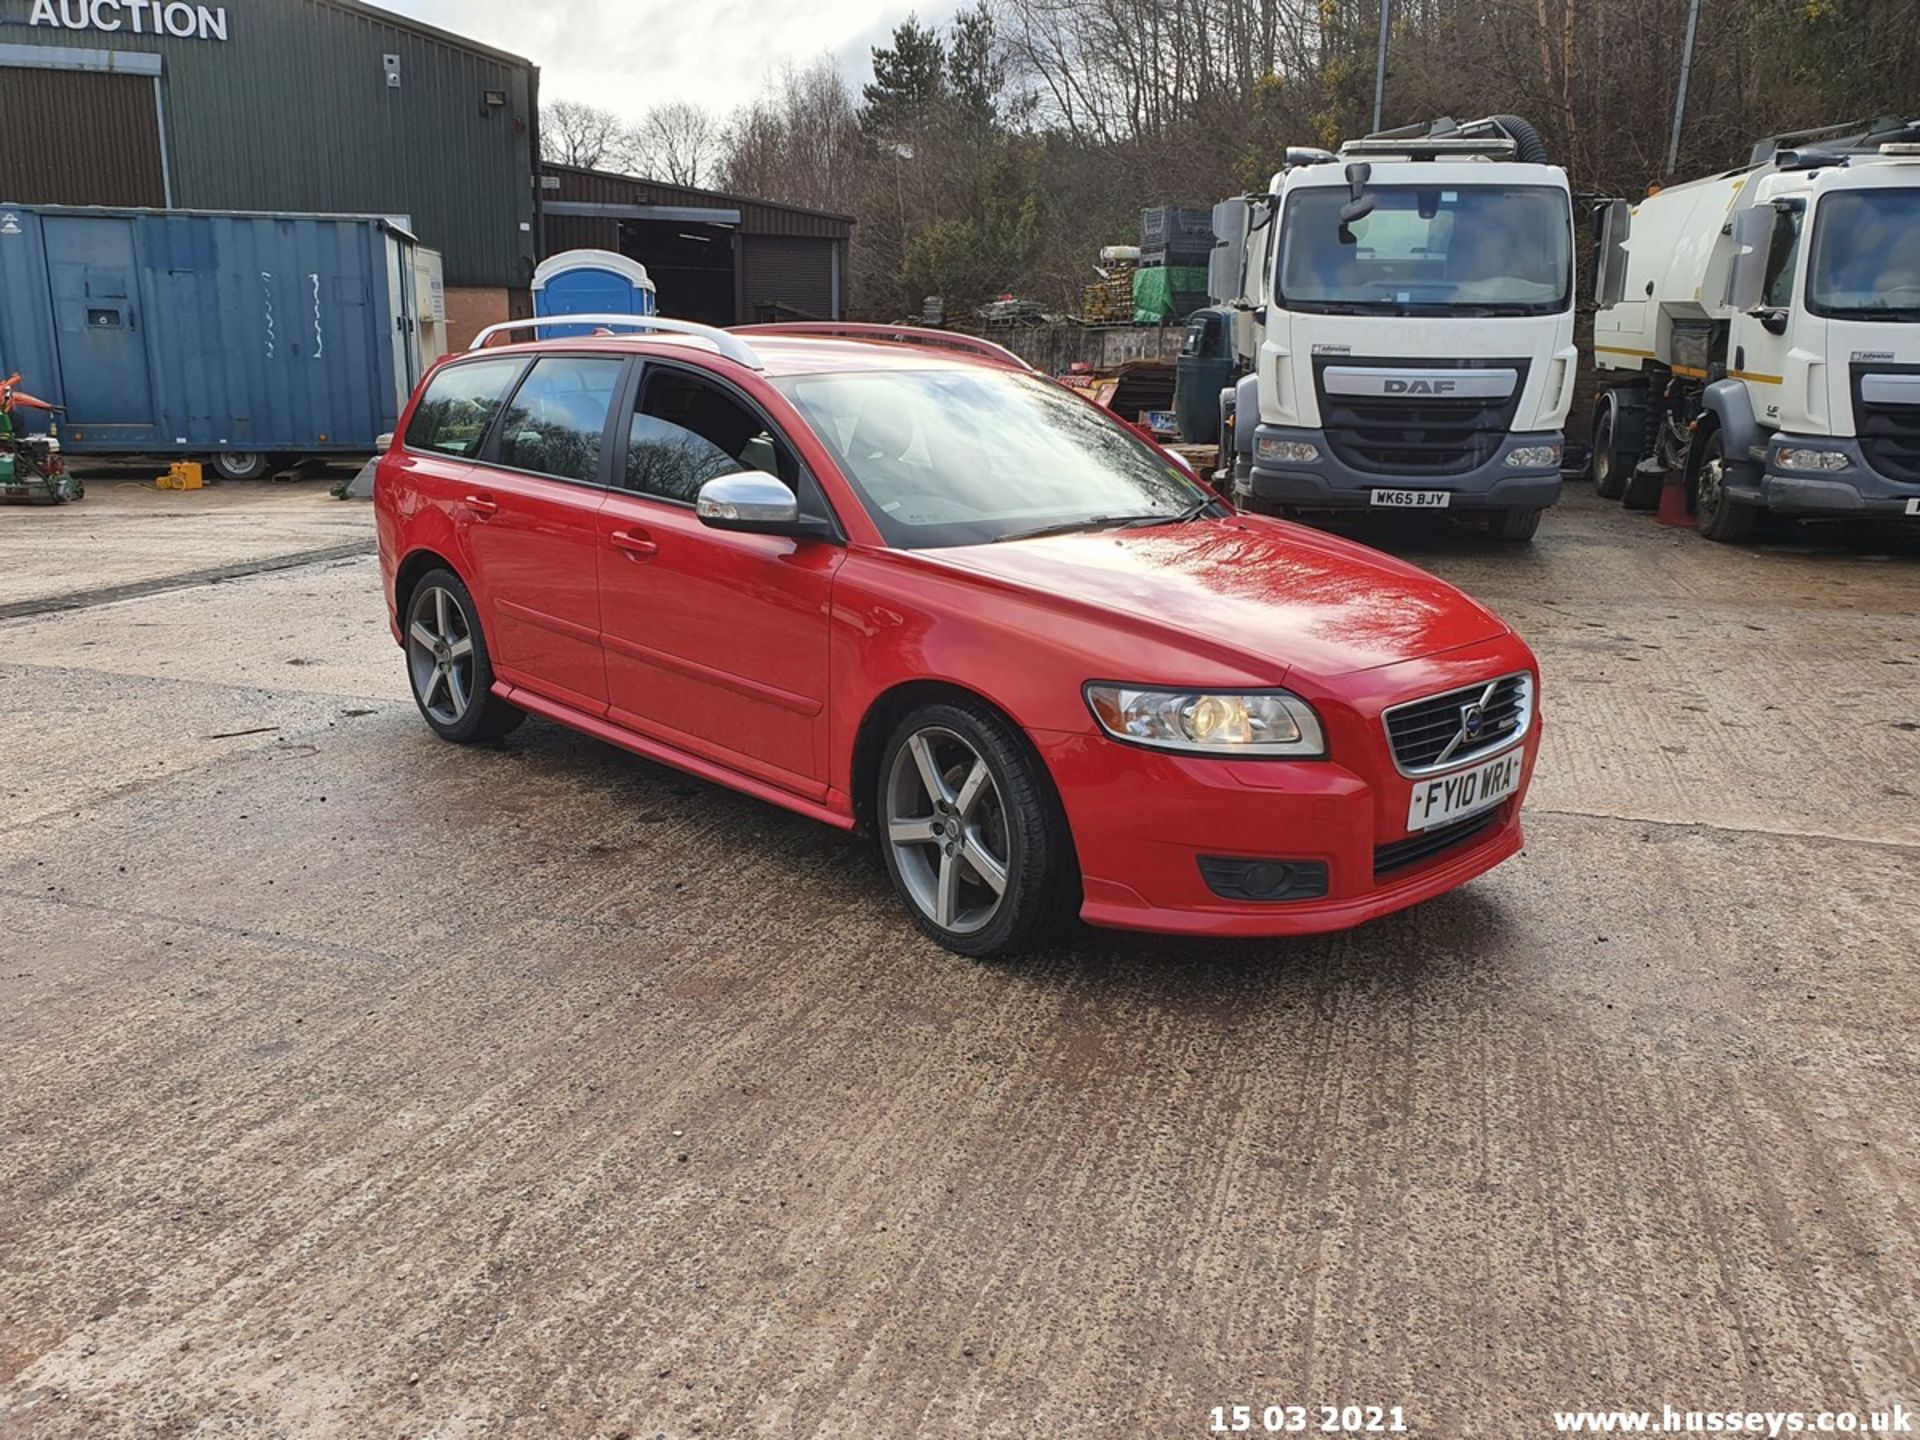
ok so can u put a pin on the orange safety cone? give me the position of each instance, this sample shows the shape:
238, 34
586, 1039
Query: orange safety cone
1673, 503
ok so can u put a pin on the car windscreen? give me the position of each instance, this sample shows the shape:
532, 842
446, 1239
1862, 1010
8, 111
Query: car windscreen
1866, 256
964, 456
1443, 249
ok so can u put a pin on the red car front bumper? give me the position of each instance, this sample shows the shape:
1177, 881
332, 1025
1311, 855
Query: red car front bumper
1142, 819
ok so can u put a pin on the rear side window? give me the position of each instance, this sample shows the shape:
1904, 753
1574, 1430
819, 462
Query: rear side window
559, 416
460, 403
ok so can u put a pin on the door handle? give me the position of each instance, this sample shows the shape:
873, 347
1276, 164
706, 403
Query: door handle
635, 544
483, 506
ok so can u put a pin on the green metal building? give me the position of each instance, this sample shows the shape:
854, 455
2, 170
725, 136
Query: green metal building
281, 105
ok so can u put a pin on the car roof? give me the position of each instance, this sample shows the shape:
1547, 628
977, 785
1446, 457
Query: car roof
781, 355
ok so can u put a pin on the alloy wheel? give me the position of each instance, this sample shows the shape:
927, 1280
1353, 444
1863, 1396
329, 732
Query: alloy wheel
947, 824
440, 654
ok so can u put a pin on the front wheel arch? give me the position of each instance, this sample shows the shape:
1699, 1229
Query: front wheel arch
886, 711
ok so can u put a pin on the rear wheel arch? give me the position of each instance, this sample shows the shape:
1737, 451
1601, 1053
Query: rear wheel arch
410, 571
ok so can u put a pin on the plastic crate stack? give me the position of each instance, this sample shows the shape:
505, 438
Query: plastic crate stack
1175, 244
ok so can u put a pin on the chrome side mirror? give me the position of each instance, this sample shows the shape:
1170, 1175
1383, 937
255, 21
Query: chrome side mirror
751, 501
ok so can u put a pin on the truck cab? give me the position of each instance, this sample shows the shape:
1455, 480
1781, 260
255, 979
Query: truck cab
1415, 347
1770, 319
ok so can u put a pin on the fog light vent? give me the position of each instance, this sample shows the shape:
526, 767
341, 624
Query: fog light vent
1235, 879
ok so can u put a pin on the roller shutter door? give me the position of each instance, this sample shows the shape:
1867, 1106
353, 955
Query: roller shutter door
81, 137
787, 277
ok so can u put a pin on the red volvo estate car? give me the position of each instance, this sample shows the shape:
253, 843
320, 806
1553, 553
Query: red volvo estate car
902, 584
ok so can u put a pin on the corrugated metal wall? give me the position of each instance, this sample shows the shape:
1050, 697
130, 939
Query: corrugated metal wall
293, 112
786, 278
786, 254
757, 217
80, 139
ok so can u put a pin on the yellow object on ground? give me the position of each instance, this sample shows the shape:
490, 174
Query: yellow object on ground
181, 475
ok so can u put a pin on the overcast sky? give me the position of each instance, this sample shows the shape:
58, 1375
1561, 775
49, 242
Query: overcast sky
630, 54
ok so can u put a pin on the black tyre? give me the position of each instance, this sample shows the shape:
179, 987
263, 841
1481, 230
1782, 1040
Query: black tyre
447, 663
1721, 517
1513, 527
241, 464
1612, 466
972, 832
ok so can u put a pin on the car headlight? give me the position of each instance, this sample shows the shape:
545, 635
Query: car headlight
1799, 457
1284, 452
1533, 457
1206, 722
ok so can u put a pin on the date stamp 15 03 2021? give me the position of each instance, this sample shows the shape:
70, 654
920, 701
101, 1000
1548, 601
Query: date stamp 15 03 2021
1307, 1420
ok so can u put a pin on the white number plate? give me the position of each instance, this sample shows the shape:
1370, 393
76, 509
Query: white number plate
1413, 499
1913, 506
1446, 798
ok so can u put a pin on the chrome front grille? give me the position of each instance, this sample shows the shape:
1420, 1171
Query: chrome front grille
1445, 731
1424, 436
1889, 433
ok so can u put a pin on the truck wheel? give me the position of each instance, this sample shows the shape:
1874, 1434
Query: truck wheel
1619, 435
1513, 527
1721, 517
240, 464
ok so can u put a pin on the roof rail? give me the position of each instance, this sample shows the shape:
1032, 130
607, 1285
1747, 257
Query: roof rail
1848, 135
731, 346
928, 338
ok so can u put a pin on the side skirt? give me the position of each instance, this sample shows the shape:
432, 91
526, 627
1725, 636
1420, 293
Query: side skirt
680, 760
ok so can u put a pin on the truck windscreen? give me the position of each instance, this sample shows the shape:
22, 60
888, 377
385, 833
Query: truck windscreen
1866, 256
1442, 250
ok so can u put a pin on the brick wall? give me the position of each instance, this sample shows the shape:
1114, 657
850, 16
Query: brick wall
471, 310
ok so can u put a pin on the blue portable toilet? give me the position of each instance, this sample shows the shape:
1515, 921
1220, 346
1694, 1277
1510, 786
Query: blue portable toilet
590, 282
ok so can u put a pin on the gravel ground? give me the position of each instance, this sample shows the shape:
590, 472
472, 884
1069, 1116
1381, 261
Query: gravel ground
353, 1084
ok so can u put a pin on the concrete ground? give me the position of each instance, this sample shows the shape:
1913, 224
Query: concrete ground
354, 1084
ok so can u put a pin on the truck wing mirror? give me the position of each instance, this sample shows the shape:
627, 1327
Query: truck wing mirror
1227, 263
1359, 204
1752, 232
1615, 221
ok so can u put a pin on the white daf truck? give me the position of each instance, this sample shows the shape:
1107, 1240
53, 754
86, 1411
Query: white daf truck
1407, 306
1765, 323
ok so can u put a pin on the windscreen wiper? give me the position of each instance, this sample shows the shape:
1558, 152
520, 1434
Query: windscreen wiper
1179, 517
1066, 527
1106, 522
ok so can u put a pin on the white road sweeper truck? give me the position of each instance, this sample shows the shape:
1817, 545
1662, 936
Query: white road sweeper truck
1763, 326
1407, 309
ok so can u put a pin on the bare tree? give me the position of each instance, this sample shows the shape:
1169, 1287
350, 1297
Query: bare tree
799, 142
573, 133
680, 143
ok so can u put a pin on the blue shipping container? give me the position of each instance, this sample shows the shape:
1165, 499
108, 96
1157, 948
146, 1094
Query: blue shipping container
232, 336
